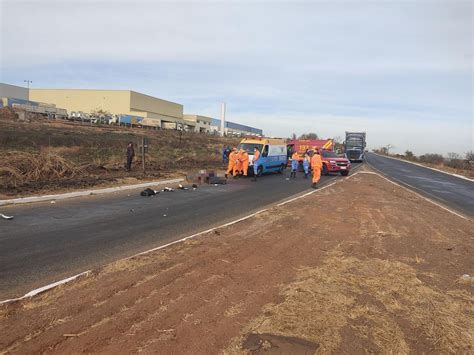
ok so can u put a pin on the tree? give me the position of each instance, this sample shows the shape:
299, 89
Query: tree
409, 155
293, 136
452, 156
470, 155
310, 135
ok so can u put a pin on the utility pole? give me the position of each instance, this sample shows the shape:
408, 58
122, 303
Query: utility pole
28, 82
223, 119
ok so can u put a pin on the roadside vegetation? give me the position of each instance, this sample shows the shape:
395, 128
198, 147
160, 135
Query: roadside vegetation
453, 162
42, 155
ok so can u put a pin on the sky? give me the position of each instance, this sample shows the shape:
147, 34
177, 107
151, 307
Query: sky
400, 70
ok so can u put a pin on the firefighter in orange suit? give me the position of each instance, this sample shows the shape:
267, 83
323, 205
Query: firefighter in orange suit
238, 164
244, 160
232, 162
316, 165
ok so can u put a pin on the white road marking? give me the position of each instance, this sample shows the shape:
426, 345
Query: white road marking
416, 193
46, 288
426, 167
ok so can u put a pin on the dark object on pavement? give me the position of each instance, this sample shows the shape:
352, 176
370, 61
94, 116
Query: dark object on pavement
217, 180
148, 192
194, 186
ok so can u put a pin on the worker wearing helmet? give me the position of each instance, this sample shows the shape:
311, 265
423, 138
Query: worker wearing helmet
244, 161
232, 162
306, 164
256, 157
316, 165
295, 160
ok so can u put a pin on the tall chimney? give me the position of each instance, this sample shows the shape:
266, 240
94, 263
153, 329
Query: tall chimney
223, 118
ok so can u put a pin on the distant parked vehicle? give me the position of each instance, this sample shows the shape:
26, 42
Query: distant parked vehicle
354, 146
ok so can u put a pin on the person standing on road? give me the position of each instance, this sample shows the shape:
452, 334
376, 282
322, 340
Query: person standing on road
232, 162
316, 165
225, 155
306, 164
256, 157
238, 165
295, 160
130, 155
244, 159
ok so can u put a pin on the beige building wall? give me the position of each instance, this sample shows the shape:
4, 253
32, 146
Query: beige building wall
199, 123
128, 102
113, 101
141, 102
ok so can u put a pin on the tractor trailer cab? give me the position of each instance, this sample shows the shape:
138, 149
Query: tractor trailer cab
272, 154
354, 146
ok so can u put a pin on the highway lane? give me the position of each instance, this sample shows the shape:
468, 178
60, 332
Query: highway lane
454, 192
47, 242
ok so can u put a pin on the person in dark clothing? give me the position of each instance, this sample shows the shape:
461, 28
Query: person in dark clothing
130, 155
225, 154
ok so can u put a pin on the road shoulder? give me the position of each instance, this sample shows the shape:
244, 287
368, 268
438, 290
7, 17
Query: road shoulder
381, 270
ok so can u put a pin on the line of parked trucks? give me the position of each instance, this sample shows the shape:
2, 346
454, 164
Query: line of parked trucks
276, 153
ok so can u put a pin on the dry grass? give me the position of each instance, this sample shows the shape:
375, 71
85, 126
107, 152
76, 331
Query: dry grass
374, 298
22, 167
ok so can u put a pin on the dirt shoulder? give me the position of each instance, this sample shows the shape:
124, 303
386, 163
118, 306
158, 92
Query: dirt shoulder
379, 271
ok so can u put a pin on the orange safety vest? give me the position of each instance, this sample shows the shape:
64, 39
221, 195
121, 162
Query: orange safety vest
295, 156
316, 162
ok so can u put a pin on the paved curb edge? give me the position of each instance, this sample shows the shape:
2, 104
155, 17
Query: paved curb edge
20, 200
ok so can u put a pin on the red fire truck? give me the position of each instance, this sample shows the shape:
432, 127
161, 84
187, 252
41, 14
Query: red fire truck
332, 163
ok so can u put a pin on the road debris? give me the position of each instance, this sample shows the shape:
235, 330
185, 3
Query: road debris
149, 192
5, 216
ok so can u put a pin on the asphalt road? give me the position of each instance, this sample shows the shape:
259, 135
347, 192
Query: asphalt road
47, 242
454, 192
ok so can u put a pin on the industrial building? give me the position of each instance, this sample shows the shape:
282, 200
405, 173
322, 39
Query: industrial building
198, 123
154, 111
13, 91
235, 129
132, 107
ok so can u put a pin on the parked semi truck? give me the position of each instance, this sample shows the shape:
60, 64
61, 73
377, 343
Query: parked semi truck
354, 146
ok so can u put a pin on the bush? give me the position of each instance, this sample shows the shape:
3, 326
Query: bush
432, 158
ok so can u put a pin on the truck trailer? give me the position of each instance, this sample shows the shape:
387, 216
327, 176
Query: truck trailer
354, 146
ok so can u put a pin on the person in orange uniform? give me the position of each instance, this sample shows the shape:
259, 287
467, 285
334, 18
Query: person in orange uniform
316, 165
295, 160
256, 157
232, 162
244, 161
238, 165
